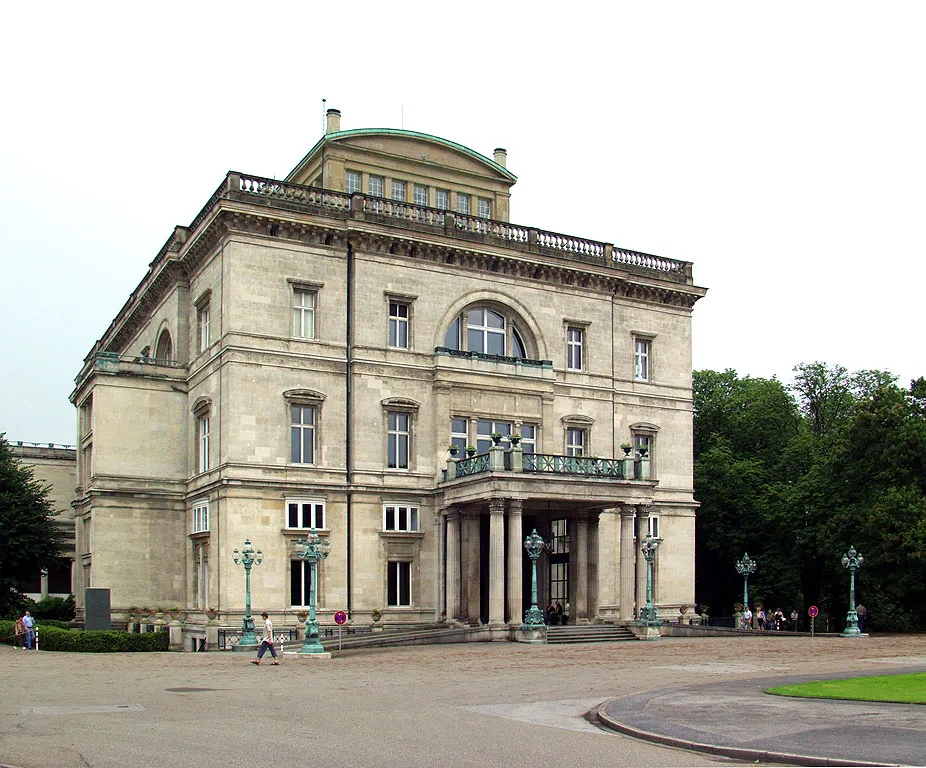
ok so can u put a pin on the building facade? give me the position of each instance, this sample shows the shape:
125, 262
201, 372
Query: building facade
306, 353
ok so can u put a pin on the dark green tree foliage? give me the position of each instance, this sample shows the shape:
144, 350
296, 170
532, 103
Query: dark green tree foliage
795, 482
29, 539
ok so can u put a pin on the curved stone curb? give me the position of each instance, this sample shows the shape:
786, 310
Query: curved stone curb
600, 715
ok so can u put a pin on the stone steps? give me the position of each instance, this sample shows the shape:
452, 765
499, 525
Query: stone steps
588, 633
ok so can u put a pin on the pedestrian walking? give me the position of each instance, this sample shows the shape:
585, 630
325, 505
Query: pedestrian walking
862, 613
266, 642
19, 634
29, 625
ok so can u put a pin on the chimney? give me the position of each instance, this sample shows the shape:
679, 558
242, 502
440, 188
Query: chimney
334, 121
501, 156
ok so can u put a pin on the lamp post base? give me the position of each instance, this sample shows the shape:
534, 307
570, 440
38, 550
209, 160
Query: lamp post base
247, 646
312, 645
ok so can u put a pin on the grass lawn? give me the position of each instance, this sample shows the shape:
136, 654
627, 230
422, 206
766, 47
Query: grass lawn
905, 689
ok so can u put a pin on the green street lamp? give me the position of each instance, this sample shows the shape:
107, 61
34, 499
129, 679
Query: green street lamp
852, 560
745, 568
313, 550
533, 616
248, 558
648, 616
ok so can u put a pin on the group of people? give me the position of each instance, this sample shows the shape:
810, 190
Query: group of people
768, 620
554, 614
24, 631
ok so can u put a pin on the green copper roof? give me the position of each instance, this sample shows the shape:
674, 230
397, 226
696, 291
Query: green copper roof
337, 135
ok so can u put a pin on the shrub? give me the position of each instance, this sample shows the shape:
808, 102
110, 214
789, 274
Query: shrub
60, 638
59, 608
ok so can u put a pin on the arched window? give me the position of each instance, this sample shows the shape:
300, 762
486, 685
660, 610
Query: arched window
487, 331
164, 349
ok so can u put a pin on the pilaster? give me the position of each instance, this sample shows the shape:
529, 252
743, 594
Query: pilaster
515, 556
496, 561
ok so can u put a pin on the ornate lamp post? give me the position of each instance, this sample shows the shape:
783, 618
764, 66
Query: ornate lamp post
313, 550
648, 616
745, 568
533, 616
852, 560
248, 558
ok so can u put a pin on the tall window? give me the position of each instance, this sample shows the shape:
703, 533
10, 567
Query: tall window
575, 340
641, 359
399, 591
202, 325
421, 194
575, 442
442, 199
398, 324
201, 517
164, 350
398, 191
462, 203
304, 313
484, 209
528, 438
300, 582
305, 514
201, 576
351, 182
400, 517
398, 440
485, 331
652, 526
302, 434
484, 431
559, 537
202, 434
376, 186
458, 436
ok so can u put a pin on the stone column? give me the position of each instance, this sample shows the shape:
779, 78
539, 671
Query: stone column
591, 607
515, 559
628, 558
470, 585
580, 609
453, 564
496, 561
642, 515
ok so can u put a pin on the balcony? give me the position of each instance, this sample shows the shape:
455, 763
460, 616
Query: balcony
627, 468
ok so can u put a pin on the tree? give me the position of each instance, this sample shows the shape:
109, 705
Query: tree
29, 538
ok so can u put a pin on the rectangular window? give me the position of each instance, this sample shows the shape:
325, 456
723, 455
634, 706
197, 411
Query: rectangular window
304, 313
559, 537
400, 517
652, 526
529, 438
305, 514
202, 324
202, 434
351, 182
575, 338
442, 199
398, 325
458, 436
400, 585
201, 517
484, 210
300, 583
559, 583
398, 440
376, 186
575, 442
484, 431
641, 361
462, 203
398, 191
302, 434
421, 195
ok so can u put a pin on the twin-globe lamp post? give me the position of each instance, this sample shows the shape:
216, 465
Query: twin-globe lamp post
852, 560
745, 568
313, 550
649, 616
248, 558
533, 616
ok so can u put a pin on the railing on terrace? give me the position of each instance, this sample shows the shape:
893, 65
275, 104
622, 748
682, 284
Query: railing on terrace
493, 358
229, 638
473, 465
574, 465
533, 239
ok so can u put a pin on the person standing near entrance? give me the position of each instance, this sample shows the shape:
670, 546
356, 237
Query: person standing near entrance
19, 634
29, 624
266, 641
862, 613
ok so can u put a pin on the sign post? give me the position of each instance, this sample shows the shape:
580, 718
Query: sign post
340, 618
813, 612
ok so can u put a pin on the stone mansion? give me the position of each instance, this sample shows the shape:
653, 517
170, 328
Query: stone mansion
371, 349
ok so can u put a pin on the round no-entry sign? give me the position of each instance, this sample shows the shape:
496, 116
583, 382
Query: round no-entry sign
813, 611
340, 617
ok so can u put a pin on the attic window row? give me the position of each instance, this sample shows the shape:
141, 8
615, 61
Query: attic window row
421, 194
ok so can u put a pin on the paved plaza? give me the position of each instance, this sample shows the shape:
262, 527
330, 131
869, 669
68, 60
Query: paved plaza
497, 704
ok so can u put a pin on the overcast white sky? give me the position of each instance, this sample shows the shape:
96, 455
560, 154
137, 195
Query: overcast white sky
781, 148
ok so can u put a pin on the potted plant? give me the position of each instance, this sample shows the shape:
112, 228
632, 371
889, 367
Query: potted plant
377, 614
211, 614
515, 439
470, 450
453, 449
496, 438
377, 619
683, 610
626, 448
642, 451
302, 615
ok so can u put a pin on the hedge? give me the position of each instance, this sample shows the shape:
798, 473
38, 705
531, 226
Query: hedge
53, 638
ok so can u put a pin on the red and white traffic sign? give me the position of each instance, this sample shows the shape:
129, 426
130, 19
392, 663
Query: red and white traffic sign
813, 611
340, 618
